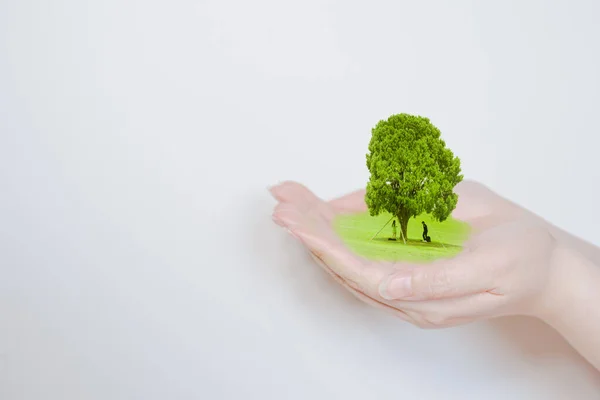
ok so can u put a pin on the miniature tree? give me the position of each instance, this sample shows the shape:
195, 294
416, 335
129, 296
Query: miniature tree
411, 169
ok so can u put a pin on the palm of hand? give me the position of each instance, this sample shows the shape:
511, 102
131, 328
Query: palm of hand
502, 270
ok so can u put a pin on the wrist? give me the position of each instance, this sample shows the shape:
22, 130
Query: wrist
571, 299
572, 280
570, 304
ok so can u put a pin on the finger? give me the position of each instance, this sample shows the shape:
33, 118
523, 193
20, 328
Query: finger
361, 296
329, 249
468, 273
434, 322
287, 215
353, 202
431, 314
363, 275
289, 191
450, 311
381, 305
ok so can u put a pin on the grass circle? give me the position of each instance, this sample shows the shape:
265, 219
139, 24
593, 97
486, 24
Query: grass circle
357, 231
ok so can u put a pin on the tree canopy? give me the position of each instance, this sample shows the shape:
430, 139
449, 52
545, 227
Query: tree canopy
412, 170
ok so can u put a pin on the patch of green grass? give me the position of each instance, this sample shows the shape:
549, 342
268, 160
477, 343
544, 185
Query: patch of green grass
356, 230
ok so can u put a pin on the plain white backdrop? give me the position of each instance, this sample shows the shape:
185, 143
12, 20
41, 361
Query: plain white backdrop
138, 259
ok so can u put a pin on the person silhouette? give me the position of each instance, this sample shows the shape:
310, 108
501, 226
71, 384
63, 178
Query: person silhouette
394, 230
425, 237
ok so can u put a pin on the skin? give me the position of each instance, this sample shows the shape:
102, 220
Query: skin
515, 263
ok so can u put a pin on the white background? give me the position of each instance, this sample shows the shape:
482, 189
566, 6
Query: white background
138, 259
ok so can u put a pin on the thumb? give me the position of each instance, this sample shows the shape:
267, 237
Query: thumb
463, 275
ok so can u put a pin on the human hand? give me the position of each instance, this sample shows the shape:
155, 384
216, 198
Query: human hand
504, 269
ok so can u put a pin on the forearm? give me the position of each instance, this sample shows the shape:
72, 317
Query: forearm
572, 302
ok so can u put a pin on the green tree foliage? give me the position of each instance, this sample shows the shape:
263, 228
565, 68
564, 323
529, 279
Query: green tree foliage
412, 171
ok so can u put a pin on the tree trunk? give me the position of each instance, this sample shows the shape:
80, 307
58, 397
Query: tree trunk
403, 218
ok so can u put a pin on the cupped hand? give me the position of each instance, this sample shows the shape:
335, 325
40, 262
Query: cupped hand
504, 268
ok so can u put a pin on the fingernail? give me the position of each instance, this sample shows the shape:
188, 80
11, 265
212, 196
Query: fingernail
397, 286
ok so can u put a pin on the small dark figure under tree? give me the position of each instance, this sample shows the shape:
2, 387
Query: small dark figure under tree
425, 230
